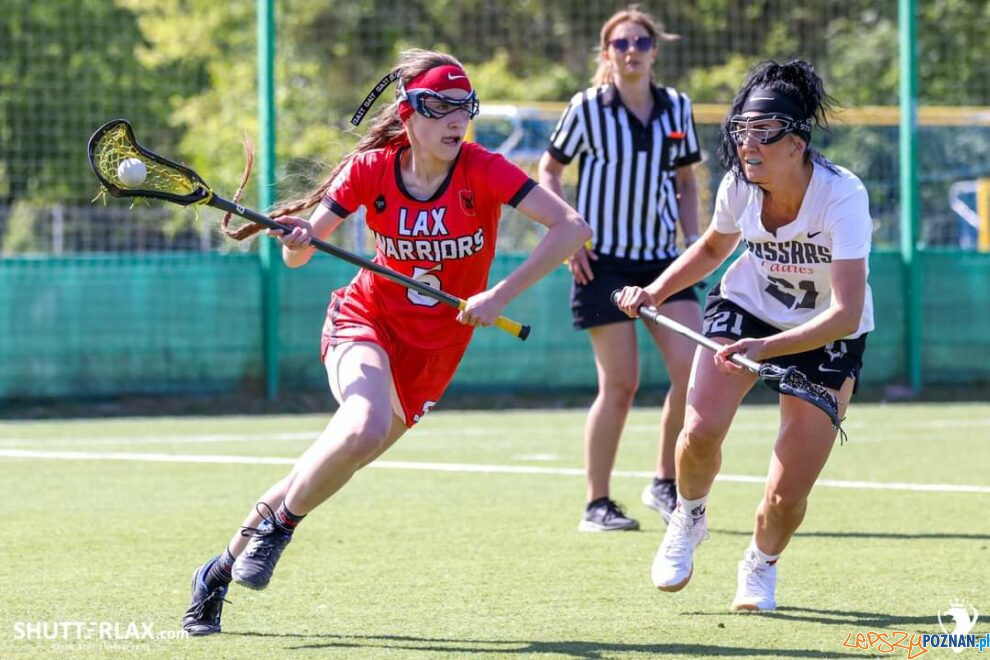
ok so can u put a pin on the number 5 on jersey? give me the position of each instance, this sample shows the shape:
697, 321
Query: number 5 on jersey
426, 276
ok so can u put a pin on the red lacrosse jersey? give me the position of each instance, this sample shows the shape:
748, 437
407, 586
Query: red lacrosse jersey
447, 242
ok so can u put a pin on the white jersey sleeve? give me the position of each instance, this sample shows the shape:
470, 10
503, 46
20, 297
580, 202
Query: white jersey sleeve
729, 203
849, 223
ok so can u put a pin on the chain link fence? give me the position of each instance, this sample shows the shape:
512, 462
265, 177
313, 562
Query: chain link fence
185, 75
102, 299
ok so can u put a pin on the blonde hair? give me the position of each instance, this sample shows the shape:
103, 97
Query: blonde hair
386, 129
635, 14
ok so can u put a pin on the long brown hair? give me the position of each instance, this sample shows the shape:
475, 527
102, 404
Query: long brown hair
386, 128
635, 14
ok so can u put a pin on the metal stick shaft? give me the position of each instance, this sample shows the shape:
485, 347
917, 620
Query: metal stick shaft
655, 316
512, 327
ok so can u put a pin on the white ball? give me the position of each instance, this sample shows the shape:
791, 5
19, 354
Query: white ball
132, 172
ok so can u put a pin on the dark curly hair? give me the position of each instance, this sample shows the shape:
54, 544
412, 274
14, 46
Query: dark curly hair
797, 79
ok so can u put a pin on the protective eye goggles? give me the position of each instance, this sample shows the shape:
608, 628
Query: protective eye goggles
766, 129
642, 44
435, 105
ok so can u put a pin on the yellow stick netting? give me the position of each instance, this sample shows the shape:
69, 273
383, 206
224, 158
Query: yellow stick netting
115, 146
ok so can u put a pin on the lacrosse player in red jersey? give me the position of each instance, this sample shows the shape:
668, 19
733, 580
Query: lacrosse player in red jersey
433, 203
798, 296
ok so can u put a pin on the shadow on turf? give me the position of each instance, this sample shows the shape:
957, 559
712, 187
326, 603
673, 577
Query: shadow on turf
898, 536
574, 649
845, 618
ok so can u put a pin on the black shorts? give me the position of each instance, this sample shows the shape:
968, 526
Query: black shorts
591, 303
830, 365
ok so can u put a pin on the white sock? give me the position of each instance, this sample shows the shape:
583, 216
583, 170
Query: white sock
761, 556
694, 508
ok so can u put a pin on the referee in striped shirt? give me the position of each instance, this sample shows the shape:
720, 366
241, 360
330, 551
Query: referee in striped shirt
636, 147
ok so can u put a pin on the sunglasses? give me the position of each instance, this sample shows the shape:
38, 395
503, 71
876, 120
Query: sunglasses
642, 44
765, 129
435, 105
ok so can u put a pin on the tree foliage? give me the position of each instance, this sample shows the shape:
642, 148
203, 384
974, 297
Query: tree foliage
185, 71
63, 67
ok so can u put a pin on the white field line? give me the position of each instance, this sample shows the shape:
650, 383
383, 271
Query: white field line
478, 431
451, 467
165, 439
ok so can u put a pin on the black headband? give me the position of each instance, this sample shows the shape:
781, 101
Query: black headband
771, 101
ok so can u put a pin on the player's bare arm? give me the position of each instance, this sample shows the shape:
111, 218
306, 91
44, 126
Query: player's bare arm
566, 232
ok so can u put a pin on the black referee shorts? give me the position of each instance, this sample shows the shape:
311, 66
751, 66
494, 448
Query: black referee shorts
829, 365
591, 303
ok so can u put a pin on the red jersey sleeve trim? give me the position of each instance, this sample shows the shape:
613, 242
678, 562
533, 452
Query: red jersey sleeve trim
520, 195
335, 207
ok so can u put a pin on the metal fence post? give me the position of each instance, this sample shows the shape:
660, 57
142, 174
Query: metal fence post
269, 254
911, 292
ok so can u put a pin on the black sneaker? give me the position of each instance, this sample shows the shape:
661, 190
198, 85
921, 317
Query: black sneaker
203, 615
661, 495
604, 515
254, 567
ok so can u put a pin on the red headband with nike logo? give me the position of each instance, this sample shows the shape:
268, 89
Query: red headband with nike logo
437, 79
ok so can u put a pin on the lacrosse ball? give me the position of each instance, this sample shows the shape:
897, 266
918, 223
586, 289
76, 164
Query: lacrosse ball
132, 172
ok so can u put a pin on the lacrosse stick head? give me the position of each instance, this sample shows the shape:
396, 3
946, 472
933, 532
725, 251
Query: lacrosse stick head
794, 383
114, 143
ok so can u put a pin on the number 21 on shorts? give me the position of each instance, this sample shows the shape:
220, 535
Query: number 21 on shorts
722, 321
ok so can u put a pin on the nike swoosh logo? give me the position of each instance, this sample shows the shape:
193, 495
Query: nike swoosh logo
451, 76
762, 98
812, 234
826, 370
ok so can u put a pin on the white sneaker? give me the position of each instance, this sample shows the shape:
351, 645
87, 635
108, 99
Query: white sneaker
674, 561
756, 585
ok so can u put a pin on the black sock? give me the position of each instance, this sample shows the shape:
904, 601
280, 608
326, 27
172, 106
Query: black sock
219, 573
594, 503
657, 481
286, 518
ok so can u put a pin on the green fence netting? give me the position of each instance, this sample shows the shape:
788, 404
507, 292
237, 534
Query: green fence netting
105, 300
190, 324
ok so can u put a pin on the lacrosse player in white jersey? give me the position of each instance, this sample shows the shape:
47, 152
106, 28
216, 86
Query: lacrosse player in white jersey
797, 296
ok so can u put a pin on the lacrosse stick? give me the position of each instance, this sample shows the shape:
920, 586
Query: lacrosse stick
114, 142
785, 380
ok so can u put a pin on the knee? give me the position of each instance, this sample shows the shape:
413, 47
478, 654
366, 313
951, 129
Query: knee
363, 440
679, 371
677, 391
622, 391
700, 440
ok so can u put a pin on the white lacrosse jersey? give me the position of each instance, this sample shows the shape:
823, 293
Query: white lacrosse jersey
783, 277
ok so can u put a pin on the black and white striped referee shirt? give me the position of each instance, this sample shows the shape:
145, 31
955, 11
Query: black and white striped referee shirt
626, 186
